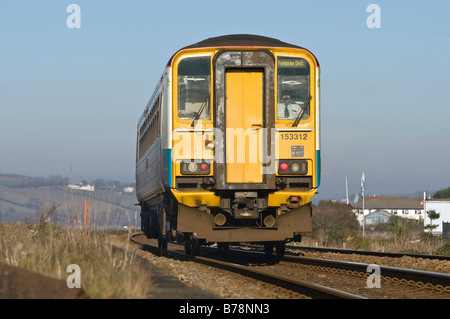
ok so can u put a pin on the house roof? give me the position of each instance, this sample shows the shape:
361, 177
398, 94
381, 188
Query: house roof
379, 212
443, 200
380, 202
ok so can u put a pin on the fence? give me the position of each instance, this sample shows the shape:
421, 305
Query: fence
446, 231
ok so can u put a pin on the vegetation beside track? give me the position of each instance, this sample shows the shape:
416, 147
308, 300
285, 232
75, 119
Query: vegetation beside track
48, 249
335, 225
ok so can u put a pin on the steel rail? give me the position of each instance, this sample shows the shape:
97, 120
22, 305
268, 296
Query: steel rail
434, 278
300, 286
369, 253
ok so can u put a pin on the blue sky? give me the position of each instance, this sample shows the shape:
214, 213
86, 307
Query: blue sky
70, 98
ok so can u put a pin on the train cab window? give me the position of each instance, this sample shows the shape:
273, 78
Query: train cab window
293, 80
194, 86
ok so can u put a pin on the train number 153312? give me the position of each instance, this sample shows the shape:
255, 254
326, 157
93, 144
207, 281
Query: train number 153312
294, 136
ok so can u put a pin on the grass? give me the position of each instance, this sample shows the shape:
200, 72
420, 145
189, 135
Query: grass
47, 248
417, 244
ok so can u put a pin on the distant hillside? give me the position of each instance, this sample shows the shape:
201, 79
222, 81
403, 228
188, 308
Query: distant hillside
23, 198
15, 180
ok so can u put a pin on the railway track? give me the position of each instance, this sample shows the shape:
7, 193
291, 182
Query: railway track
426, 277
397, 282
343, 279
367, 253
304, 287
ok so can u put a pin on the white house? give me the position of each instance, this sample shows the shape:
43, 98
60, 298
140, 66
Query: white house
378, 209
128, 189
89, 188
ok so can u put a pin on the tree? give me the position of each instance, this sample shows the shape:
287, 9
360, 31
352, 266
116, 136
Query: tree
443, 193
432, 215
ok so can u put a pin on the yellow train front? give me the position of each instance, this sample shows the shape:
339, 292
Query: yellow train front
228, 148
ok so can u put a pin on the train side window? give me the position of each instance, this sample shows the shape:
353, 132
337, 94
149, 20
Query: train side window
293, 80
194, 86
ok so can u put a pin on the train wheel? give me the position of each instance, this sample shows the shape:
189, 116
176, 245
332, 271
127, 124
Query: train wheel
268, 248
191, 245
162, 242
195, 247
280, 249
187, 247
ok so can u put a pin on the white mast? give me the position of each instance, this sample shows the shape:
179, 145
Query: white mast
346, 189
363, 184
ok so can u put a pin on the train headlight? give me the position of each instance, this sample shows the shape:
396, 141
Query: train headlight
192, 167
295, 167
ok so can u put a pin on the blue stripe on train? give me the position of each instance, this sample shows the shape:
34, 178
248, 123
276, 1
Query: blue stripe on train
318, 167
167, 158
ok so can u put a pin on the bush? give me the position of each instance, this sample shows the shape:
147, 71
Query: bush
333, 223
444, 250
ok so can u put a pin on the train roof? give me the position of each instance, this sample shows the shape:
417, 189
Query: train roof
241, 40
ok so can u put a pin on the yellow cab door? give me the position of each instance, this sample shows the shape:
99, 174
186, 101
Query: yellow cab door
244, 125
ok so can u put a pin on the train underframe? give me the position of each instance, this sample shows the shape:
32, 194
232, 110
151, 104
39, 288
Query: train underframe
241, 217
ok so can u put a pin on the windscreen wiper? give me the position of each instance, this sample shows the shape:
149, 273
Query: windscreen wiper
200, 111
302, 112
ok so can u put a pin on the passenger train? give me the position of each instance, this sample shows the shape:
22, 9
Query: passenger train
228, 147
